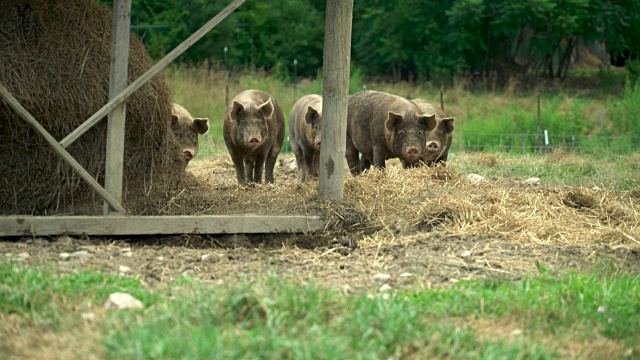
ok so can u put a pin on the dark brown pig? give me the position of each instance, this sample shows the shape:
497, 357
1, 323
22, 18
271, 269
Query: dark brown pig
186, 129
438, 143
254, 133
382, 126
305, 121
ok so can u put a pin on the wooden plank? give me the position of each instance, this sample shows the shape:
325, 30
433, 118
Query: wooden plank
151, 225
13, 102
337, 55
117, 117
122, 96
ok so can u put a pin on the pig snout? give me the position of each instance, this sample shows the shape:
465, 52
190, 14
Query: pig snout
254, 142
188, 155
433, 146
412, 153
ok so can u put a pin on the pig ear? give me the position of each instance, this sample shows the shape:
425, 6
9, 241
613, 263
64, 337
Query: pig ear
202, 124
448, 125
393, 120
174, 121
311, 113
267, 108
236, 108
430, 121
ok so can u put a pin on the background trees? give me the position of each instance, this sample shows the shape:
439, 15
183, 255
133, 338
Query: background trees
398, 39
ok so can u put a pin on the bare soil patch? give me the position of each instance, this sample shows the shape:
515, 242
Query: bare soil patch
426, 227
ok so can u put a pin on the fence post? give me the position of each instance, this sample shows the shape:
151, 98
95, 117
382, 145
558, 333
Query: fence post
442, 99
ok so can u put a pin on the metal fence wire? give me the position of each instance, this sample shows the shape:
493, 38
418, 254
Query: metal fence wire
524, 143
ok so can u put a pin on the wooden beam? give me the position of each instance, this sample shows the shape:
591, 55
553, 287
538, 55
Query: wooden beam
122, 96
151, 225
337, 58
13, 102
117, 117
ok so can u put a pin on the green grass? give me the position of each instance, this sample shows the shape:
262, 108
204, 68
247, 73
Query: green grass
535, 318
587, 105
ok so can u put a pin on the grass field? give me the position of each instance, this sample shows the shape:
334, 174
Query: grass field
595, 103
442, 268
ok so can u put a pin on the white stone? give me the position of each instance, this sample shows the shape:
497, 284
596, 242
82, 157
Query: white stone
475, 178
210, 258
406, 274
82, 255
384, 287
532, 181
65, 256
453, 280
381, 277
123, 269
120, 301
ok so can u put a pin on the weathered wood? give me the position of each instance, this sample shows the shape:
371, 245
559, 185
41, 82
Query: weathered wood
117, 117
150, 225
337, 58
122, 96
13, 102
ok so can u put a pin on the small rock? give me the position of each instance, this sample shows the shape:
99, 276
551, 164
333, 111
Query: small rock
532, 181
381, 277
475, 178
160, 258
406, 275
82, 255
516, 332
119, 301
384, 287
126, 254
65, 256
465, 254
88, 316
453, 280
213, 258
123, 269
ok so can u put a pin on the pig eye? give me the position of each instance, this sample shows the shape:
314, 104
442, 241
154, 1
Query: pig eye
401, 133
316, 128
420, 132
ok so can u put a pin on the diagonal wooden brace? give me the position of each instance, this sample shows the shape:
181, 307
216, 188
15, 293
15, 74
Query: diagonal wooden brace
13, 102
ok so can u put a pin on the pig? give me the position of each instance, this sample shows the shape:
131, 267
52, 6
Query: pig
438, 143
186, 129
383, 126
253, 131
305, 121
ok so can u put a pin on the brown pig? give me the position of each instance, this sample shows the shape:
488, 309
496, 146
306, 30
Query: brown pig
305, 121
439, 139
382, 126
254, 133
186, 129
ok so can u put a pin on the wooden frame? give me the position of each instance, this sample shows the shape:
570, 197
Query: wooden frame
337, 55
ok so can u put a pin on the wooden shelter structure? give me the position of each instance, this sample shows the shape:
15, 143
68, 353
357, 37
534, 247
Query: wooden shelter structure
115, 221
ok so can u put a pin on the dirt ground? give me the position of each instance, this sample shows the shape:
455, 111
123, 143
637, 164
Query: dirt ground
403, 235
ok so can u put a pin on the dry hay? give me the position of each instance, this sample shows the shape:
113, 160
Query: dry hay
401, 206
55, 58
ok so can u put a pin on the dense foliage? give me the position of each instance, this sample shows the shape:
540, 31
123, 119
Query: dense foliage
400, 39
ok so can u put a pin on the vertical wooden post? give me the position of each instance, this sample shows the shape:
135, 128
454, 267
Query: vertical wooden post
337, 57
442, 99
538, 132
117, 83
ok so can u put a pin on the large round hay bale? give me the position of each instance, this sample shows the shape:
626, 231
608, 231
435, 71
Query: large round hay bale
55, 58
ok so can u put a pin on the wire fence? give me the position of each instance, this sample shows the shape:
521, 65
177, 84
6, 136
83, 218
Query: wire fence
524, 143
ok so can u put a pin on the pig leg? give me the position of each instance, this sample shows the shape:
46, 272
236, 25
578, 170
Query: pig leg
239, 165
249, 169
365, 164
353, 157
316, 164
270, 161
297, 151
308, 162
379, 157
